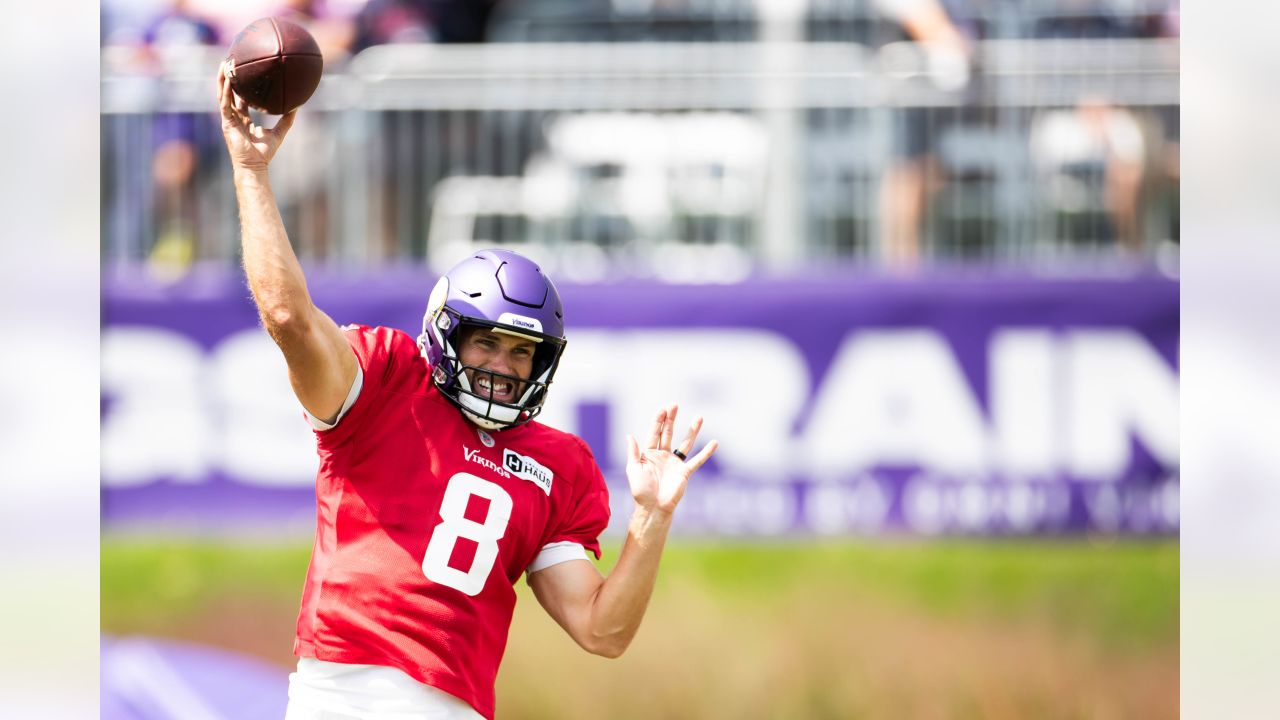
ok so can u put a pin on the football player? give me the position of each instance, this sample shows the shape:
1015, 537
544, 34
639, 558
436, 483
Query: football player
437, 489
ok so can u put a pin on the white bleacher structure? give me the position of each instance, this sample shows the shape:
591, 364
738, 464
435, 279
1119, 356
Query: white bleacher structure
615, 145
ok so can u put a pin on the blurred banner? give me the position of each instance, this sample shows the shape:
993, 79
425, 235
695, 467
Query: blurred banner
152, 679
937, 405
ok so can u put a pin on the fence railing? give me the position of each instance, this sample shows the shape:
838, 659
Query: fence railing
691, 161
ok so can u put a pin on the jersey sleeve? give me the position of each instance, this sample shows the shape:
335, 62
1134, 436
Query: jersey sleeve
376, 350
588, 515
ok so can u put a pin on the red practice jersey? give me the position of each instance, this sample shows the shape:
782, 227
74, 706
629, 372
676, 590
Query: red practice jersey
425, 523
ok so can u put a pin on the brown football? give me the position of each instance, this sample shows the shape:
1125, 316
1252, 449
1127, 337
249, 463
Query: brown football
275, 65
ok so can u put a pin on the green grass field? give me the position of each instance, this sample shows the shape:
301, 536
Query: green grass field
973, 629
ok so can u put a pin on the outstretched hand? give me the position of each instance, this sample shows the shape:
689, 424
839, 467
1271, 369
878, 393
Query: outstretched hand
658, 476
251, 146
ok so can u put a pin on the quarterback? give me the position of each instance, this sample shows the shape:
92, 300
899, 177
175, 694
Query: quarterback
437, 490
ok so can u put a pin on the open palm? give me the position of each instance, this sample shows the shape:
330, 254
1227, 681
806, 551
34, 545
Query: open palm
657, 474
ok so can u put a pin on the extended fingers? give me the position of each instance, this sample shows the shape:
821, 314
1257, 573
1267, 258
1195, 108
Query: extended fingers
656, 433
686, 445
224, 90
669, 428
232, 105
664, 424
696, 461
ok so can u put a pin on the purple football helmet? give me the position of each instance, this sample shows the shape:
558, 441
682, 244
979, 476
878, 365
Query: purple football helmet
508, 293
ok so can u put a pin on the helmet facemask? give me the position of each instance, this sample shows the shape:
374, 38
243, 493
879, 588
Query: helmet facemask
506, 293
449, 374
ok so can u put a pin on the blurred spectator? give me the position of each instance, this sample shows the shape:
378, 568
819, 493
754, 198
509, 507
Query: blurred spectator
183, 144
1092, 159
302, 173
407, 21
462, 21
915, 174
1099, 162
124, 20
1171, 20
302, 177
409, 137
1169, 159
1075, 19
1073, 148
1080, 19
397, 153
153, 37
383, 22
178, 26
334, 31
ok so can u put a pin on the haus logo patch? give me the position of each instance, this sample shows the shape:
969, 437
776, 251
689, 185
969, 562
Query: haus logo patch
526, 468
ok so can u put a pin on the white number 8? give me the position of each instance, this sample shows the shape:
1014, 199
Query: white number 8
435, 564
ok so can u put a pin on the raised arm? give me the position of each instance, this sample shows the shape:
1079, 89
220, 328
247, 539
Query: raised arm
322, 366
603, 614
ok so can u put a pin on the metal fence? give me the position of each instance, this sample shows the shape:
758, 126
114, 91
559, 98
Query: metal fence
689, 161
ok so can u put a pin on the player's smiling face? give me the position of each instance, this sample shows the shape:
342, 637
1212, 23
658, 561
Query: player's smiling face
484, 349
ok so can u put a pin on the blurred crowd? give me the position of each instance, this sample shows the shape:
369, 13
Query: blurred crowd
345, 27
1127, 157
158, 36
1096, 137
341, 27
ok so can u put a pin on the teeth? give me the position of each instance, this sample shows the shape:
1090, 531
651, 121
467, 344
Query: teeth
484, 385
